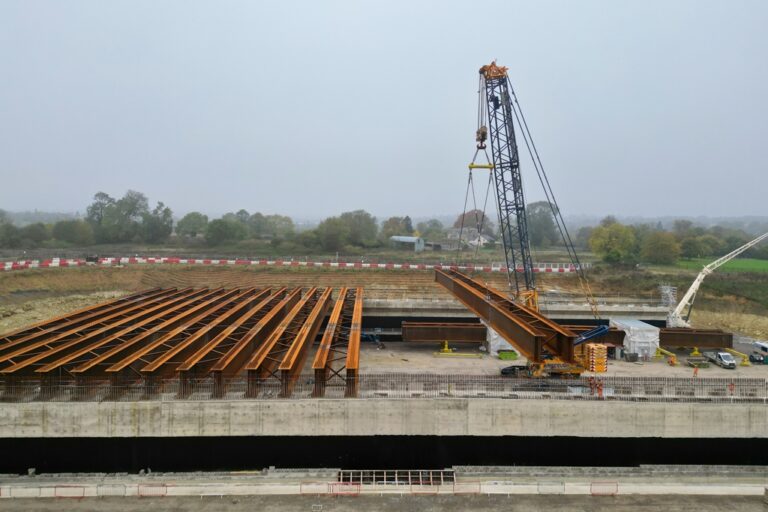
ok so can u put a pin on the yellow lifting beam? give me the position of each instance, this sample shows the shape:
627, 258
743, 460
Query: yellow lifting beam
446, 350
660, 352
744, 357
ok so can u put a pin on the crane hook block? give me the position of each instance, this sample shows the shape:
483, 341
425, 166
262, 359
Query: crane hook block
481, 136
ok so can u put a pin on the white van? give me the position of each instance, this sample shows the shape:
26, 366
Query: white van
761, 347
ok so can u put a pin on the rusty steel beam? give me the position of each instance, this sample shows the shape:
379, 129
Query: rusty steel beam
73, 317
701, 338
530, 332
528, 340
162, 356
295, 356
352, 363
98, 364
268, 356
31, 342
332, 333
34, 353
201, 360
558, 340
331, 356
234, 359
230, 347
129, 337
614, 336
134, 346
265, 360
439, 331
68, 353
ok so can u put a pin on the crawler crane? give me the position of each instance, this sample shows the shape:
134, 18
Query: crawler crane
499, 108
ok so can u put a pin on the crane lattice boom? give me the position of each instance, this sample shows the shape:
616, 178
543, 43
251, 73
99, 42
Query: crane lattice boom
513, 221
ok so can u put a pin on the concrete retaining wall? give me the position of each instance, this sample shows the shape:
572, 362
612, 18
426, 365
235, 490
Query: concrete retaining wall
450, 417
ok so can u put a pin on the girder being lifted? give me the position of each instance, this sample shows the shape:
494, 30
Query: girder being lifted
536, 336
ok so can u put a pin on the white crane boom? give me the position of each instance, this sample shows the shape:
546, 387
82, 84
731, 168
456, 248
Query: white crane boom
675, 318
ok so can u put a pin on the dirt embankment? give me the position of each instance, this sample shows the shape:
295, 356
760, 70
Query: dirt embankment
754, 326
727, 301
18, 315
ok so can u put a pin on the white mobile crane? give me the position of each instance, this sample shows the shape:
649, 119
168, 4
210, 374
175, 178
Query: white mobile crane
675, 317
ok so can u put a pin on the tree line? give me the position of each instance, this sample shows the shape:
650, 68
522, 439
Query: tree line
617, 243
131, 220
128, 219
354, 229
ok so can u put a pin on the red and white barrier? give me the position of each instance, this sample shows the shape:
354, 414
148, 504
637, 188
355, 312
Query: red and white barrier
557, 268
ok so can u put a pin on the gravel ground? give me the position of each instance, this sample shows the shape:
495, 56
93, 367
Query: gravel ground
420, 358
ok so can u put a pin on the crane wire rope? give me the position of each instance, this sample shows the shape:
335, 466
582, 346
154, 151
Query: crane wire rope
482, 218
550, 196
463, 215
480, 135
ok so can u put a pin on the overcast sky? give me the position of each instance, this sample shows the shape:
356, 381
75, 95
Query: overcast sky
314, 108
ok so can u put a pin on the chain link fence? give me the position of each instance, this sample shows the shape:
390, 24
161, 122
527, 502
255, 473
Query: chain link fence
395, 385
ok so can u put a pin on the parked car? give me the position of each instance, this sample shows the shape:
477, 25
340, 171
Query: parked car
723, 359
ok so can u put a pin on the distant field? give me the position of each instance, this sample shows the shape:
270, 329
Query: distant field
737, 265
258, 249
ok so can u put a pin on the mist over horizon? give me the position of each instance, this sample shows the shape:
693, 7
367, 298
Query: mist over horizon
310, 109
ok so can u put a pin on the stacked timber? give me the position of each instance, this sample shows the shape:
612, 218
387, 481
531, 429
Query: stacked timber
597, 357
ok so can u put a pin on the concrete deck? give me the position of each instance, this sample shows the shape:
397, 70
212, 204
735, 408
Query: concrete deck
447, 307
663, 488
360, 417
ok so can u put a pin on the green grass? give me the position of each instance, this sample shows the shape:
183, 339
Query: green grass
749, 287
736, 265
